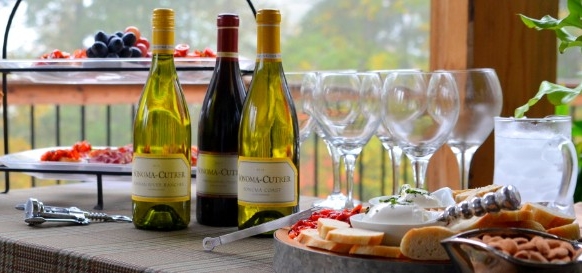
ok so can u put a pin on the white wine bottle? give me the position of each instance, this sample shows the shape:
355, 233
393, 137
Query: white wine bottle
161, 182
268, 170
216, 176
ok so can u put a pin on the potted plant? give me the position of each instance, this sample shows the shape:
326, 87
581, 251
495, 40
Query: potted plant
557, 94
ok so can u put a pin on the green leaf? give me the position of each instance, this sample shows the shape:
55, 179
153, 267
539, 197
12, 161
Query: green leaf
556, 95
547, 22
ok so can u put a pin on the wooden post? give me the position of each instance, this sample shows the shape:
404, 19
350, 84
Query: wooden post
482, 33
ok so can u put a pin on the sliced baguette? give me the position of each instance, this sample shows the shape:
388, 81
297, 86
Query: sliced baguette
547, 217
355, 236
376, 250
476, 192
305, 234
570, 231
325, 225
425, 243
529, 224
491, 219
318, 242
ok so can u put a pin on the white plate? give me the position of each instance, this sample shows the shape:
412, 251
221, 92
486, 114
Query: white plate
31, 160
114, 71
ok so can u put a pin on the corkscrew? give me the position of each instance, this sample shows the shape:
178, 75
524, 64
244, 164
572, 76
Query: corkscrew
35, 213
506, 198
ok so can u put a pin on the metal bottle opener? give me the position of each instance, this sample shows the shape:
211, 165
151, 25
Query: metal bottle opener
35, 213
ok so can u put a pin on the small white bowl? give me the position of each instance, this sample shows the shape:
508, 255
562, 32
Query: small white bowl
393, 232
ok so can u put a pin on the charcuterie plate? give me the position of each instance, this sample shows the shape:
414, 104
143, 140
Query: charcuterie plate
31, 160
292, 256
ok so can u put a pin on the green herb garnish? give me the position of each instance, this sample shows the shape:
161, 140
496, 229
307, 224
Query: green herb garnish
393, 200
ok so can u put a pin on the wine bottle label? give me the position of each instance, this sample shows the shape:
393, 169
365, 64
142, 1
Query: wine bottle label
163, 41
216, 174
267, 182
276, 57
160, 178
233, 55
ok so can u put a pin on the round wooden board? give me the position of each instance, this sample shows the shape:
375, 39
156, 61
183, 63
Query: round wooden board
291, 256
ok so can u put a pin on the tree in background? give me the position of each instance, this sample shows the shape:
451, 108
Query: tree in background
364, 35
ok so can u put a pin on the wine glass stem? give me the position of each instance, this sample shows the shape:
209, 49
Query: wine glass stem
335, 161
395, 154
419, 169
350, 164
464, 161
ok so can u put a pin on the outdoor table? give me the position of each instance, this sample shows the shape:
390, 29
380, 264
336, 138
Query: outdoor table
116, 247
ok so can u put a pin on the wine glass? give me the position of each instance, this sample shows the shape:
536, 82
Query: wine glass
388, 141
301, 86
346, 107
420, 109
480, 101
336, 199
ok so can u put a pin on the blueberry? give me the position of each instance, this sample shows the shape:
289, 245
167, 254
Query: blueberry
112, 55
115, 45
125, 52
119, 34
129, 39
135, 52
99, 49
100, 36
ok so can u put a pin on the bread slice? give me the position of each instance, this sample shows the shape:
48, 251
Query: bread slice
547, 217
570, 231
424, 243
325, 225
529, 224
355, 236
311, 238
376, 250
476, 192
491, 219
305, 234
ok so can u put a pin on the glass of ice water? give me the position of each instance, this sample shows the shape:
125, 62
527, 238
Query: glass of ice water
536, 155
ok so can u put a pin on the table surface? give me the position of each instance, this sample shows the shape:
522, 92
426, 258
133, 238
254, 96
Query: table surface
116, 247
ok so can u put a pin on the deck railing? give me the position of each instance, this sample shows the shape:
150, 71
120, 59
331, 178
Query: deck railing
39, 120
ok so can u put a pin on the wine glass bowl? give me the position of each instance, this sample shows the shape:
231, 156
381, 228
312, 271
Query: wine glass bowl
346, 107
388, 141
420, 109
301, 86
480, 101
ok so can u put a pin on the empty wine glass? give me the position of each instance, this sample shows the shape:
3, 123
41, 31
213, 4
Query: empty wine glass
480, 101
388, 141
420, 109
346, 108
336, 199
301, 86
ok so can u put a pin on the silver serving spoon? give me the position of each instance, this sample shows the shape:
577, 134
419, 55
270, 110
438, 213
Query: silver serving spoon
210, 242
506, 198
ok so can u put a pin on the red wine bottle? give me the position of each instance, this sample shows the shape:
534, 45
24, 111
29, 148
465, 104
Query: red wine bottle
218, 125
